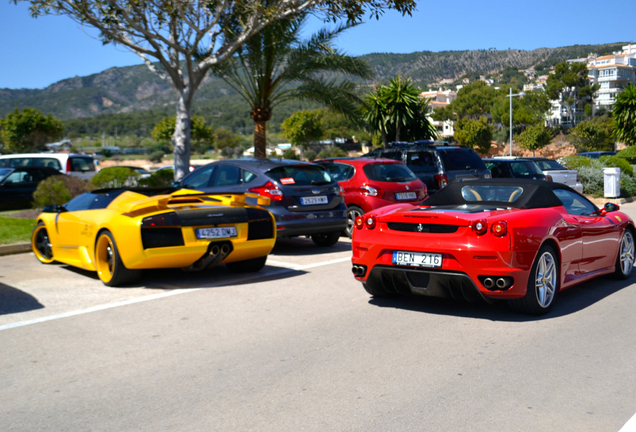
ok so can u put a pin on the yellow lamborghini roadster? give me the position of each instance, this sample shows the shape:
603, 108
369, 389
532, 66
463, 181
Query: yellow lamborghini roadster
119, 232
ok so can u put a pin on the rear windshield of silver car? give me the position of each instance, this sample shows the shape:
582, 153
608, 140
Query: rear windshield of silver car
300, 175
548, 165
459, 159
386, 172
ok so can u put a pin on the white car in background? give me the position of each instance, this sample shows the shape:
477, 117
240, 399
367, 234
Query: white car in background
79, 165
559, 173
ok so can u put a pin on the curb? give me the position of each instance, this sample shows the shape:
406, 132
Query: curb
13, 249
600, 202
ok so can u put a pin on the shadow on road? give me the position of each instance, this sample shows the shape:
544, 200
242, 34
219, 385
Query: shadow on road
567, 302
12, 300
303, 246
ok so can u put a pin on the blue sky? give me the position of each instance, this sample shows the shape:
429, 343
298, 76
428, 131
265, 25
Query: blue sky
35, 53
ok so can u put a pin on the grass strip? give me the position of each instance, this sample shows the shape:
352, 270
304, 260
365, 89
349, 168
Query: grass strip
15, 230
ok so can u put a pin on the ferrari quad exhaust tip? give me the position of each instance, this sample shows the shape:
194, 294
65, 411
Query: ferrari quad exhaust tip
496, 283
359, 270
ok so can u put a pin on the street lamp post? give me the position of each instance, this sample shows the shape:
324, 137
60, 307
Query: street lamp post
522, 94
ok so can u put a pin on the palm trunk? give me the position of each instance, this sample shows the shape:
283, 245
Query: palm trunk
181, 137
260, 139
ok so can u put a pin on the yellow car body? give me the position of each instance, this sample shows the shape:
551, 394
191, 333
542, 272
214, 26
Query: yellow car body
146, 229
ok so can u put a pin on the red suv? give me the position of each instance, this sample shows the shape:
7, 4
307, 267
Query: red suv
372, 183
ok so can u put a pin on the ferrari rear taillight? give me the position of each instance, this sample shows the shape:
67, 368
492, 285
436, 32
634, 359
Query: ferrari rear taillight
480, 227
359, 222
441, 180
369, 221
269, 190
161, 220
499, 228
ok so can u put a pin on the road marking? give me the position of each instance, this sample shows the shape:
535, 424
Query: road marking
287, 267
630, 426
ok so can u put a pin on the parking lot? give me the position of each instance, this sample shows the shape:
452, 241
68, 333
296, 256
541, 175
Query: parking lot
301, 346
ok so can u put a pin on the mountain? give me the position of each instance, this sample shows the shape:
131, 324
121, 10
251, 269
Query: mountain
133, 96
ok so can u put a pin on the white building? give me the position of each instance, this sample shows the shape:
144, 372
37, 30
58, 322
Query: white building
439, 99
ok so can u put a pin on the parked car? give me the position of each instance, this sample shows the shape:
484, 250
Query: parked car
368, 184
305, 200
127, 230
143, 173
18, 184
559, 173
517, 240
514, 167
67, 163
436, 165
597, 154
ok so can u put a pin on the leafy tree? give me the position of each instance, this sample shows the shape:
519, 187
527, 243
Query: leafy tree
302, 127
624, 120
276, 65
512, 76
527, 110
476, 134
474, 101
397, 111
570, 84
593, 135
226, 138
202, 136
534, 138
186, 39
29, 130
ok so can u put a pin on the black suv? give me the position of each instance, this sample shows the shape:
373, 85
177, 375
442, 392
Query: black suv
435, 165
305, 200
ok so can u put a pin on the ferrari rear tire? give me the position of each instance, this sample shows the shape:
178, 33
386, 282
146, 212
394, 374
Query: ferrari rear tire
326, 239
247, 266
352, 213
41, 244
543, 284
110, 269
625, 258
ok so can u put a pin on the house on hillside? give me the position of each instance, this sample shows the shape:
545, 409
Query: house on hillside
438, 99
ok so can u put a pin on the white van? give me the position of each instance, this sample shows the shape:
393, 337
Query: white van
67, 163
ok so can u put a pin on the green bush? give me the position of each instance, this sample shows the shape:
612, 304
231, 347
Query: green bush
290, 154
593, 180
332, 152
617, 162
156, 156
114, 177
576, 162
629, 154
310, 155
57, 190
161, 178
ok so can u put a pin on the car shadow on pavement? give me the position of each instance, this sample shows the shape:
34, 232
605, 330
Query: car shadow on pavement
570, 301
306, 247
13, 300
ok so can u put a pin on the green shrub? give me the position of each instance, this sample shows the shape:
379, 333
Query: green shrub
629, 154
57, 190
592, 179
161, 178
617, 162
310, 155
290, 154
332, 152
576, 162
628, 185
156, 156
114, 177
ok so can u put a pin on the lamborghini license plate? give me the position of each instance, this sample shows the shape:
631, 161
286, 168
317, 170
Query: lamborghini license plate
212, 233
417, 259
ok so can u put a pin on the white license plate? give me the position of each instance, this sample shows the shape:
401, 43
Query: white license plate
313, 200
405, 195
417, 259
212, 233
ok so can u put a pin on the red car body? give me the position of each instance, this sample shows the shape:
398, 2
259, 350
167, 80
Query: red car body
368, 184
531, 243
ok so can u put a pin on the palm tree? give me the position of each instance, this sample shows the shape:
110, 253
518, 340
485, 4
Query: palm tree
276, 65
397, 111
624, 118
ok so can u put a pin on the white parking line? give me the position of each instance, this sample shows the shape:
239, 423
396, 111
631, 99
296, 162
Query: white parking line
630, 426
287, 267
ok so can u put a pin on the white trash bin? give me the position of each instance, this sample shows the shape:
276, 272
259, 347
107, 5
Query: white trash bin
612, 182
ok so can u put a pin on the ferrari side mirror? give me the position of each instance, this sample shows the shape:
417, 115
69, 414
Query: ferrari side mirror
608, 208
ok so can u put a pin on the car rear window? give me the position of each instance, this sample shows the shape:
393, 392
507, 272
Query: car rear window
525, 169
82, 164
548, 165
421, 161
300, 175
388, 172
460, 159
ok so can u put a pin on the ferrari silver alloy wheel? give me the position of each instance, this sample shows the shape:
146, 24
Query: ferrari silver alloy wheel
627, 252
546, 279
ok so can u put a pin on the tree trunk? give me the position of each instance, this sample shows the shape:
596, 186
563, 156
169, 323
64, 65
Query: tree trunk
260, 139
384, 139
181, 137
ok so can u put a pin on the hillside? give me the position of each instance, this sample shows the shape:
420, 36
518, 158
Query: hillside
133, 96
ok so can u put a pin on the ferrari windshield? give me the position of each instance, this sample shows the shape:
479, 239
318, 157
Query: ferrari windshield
500, 193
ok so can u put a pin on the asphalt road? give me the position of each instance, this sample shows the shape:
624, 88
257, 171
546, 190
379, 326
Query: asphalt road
301, 346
